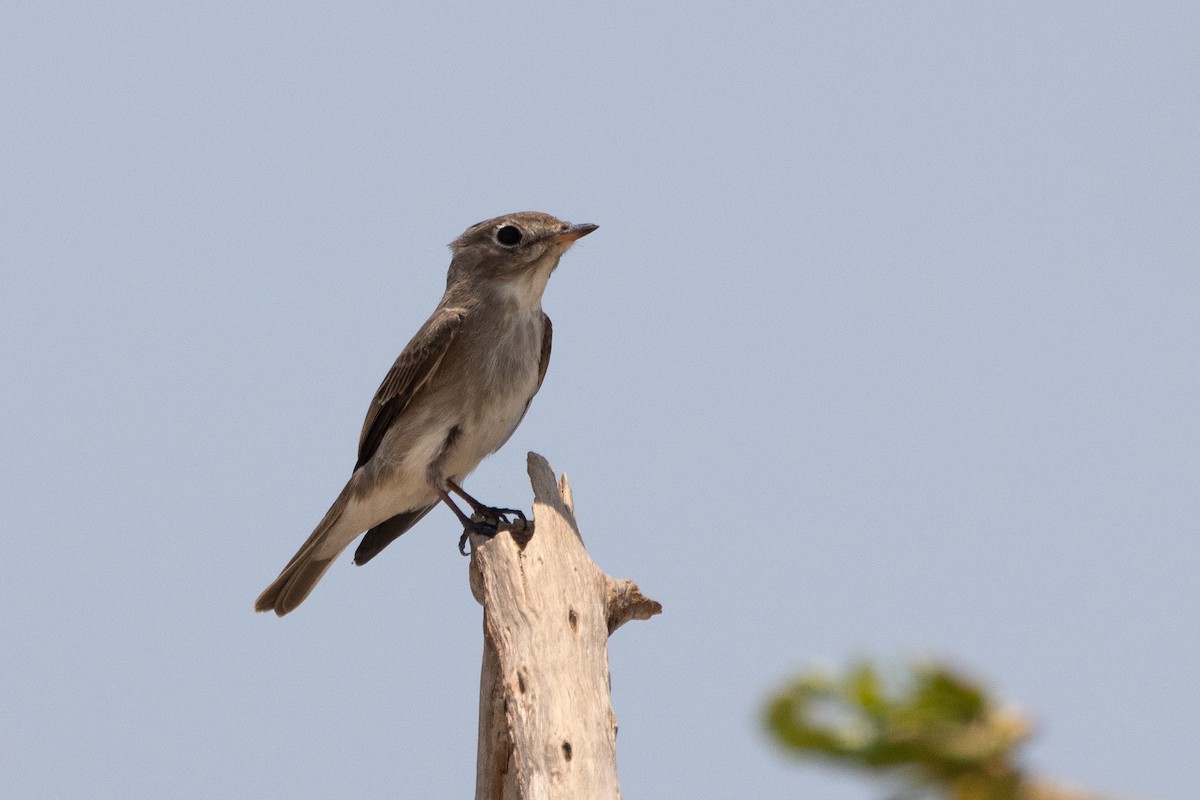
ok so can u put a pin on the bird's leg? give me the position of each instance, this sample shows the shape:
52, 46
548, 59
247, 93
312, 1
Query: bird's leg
479, 526
488, 513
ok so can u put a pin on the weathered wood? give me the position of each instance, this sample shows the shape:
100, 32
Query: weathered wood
546, 724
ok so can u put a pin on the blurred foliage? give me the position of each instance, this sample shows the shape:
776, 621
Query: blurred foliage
938, 733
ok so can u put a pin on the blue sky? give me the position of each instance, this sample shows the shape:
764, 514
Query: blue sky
887, 345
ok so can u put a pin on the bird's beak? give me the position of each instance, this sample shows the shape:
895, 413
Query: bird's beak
574, 232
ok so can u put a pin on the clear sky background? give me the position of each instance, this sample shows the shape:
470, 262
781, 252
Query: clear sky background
887, 346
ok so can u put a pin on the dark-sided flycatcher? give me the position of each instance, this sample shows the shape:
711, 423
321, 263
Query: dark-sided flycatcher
455, 395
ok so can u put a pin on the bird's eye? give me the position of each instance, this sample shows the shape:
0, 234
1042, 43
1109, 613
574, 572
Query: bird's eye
509, 235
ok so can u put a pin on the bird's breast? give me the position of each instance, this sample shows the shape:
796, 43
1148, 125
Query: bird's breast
503, 379
508, 369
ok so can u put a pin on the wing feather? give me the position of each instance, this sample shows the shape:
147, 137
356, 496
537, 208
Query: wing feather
411, 371
544, 363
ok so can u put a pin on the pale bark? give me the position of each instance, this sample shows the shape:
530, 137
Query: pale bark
546, 724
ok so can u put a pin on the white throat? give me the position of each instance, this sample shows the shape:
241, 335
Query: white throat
525, 290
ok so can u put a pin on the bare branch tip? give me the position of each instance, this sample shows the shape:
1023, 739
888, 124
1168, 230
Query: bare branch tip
541, 477
564, 491
626, 602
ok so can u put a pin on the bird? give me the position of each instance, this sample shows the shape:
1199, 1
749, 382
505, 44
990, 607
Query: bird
456, 393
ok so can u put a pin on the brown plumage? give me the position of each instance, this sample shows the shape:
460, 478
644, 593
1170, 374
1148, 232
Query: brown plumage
456, 393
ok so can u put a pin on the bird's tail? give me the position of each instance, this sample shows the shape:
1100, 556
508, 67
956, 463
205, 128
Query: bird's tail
310, 562
387, 532
293, 584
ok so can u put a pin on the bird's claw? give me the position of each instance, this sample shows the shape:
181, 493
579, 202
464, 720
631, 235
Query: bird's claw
503, 513
487, 521
479, 527
500, 516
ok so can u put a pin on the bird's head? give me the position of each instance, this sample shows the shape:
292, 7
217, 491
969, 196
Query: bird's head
515, 251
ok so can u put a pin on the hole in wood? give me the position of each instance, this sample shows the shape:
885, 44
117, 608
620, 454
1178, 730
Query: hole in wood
567, 750
572, 618
521, 682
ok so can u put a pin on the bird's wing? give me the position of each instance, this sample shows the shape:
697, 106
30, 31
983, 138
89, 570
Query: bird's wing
547, 335
411, 371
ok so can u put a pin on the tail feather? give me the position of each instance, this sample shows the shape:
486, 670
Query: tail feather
308, 565
293, 585
387, 532
333, 535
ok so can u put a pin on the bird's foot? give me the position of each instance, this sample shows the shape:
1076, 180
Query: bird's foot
479, 528
486, 522
480, 512
501, 516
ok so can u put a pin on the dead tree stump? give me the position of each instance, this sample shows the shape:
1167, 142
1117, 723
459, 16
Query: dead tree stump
546, 724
